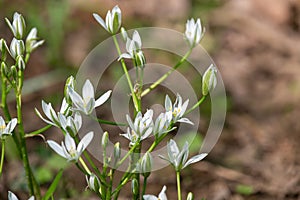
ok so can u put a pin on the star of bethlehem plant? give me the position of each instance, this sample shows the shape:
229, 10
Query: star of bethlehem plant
140, 126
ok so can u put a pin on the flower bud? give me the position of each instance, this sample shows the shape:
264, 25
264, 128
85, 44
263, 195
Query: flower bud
4, 69
17, 26
21, 63
93, 182
14, 72
117, 152
3, 49
139, 59
134, 186
69, 83
16, 48
209, 80
104, 140
190, 196
124, 34
146, 164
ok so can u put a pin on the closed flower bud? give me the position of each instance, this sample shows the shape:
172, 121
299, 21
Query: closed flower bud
93, 182
139, 59
146, 164
124, 34
104, 140
134, 187
70, 83
190, 196
3, 49
16, 48
21, 63
117, 152
17, 26
4, 69
31, 41
209, 80
14, 72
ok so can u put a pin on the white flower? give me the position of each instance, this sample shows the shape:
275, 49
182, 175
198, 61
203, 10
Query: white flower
162, 195
17, 26
68, 148
209, 80
7, 129
193, 32
12, 196
51, 114
179, 158
16, 48
132, 46
145, 165
31, 41
141, 128
87, 102
162, 123
178, 109
112, 21
70, 124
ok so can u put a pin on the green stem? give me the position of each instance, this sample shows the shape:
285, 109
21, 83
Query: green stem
135, 101
144, 186
102, 121
166, 75
85, 166
178, 185
126, 156
39, 131
196, 105
2, 156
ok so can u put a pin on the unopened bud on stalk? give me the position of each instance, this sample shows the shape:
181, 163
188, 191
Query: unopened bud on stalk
209, 80
139, 59
17, 26
70, 83
104, 140
3, 49
93, 182
146, 164
117, 151
134, 186
4, 69
17, 48
21, 63
190, 196
14, 72
124, 34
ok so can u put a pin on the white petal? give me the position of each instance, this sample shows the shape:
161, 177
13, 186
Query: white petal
12, 196
85, 142
64, 106
137, 39
103, 98
88, 91
76, 98
31, 198
57, 148
45, 120
168, 103
173, 150
100, 20
162, 195
185, 120
149, 197
195, 159
125, 55
11, 125
69, 142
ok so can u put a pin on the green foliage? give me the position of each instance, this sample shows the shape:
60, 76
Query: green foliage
244, 189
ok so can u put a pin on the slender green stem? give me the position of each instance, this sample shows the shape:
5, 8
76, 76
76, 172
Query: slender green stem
39, 131
2, 156
196, 105
85, 166
126, 156
166, 75
178, 185
102, 121
134, 98
144, 186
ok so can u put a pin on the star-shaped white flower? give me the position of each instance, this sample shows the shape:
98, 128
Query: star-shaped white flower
52, 116
141, 128
178, 109
7, 129
179, 159
68, 148
162, 195
87, 103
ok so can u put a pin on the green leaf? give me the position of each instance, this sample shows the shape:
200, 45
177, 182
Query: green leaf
53, 185
244, 189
